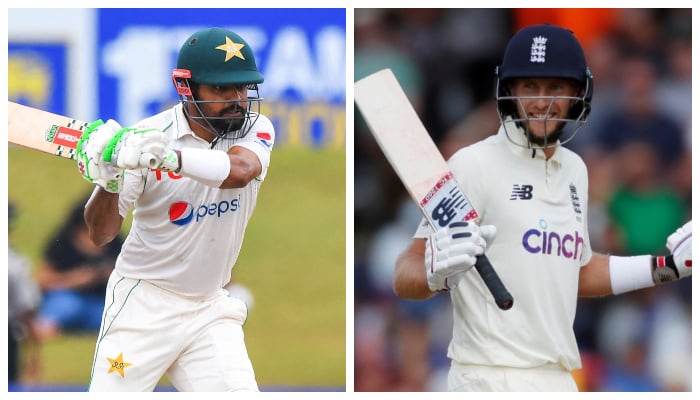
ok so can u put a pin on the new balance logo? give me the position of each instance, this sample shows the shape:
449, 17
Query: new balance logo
446, 209
521, 192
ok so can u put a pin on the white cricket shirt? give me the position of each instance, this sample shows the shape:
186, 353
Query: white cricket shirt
185, 236
539, 208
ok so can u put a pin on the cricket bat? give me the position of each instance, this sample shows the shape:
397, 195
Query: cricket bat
50, 133
417, 161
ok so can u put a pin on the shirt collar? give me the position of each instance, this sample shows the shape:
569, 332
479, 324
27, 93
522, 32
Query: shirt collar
183, 125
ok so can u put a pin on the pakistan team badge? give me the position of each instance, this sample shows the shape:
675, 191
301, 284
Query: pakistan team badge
117, 365
232, 49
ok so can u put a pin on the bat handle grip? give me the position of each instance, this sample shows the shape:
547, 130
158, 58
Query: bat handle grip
503, 298
148, 160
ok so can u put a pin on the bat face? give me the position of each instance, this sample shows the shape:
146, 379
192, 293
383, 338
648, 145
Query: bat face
43, 131
51, 133
410, 150
418, 162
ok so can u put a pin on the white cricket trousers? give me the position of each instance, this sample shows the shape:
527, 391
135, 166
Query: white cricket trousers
477, 378
148, 332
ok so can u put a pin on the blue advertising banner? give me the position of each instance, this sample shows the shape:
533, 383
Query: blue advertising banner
300, 52
117, 63
37, 73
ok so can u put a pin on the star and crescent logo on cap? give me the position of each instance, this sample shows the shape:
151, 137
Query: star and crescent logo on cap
232, 49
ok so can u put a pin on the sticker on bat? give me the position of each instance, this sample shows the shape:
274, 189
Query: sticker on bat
63, 136
446, 203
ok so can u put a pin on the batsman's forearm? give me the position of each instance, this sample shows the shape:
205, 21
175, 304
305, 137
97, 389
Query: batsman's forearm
594, 277
102, 216
410, 280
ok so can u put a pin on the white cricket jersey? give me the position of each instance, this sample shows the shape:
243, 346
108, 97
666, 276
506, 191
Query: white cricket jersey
186, 236
539, 208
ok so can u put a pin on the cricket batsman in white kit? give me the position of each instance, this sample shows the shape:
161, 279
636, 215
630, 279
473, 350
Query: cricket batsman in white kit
166, 311
532, 196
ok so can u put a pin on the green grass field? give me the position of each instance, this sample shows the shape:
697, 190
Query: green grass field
293, 261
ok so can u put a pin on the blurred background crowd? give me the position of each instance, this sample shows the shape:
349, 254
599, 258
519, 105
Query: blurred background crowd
636, 144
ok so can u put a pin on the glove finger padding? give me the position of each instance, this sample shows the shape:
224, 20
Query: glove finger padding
97, 135
450, 252
111, 179
679, 244
89, 151
459, 253
488, 233
127, 148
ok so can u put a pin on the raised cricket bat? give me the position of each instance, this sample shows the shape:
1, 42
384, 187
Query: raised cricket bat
50, 133
418, 162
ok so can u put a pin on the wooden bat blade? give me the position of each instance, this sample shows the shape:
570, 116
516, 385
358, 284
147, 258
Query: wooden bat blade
399, 133
383, 104
418, 162
43, 131
410, 150
51, 133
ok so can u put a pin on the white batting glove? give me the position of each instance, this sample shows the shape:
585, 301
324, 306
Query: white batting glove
169, 161
488, 233
132, 148
679, 264
89, 152
451, 252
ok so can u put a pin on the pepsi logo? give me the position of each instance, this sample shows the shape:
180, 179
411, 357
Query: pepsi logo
181, 213
264, 138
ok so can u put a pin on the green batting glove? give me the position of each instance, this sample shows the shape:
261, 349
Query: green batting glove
132, 148
89, 151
